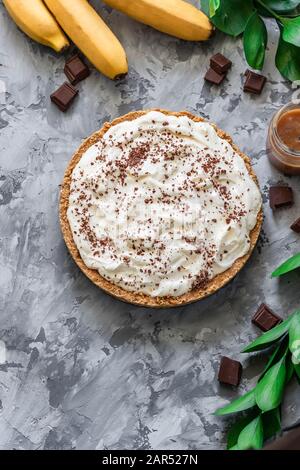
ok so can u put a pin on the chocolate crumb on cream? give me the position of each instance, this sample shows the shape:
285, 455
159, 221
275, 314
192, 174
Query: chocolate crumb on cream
161, 204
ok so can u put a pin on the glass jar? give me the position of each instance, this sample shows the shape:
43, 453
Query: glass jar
283, 142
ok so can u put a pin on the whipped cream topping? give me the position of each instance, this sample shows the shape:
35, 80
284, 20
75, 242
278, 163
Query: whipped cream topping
161, 205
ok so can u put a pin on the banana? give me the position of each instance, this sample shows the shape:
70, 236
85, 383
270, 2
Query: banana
174, 17
91, 35
34, 19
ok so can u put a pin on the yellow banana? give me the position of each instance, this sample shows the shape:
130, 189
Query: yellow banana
91, 35
34, 19
174, 17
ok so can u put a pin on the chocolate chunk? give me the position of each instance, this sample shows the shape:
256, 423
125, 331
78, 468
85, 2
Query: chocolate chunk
220, 63
64, 96
254, 82
213, 77
230, 371
280, 196
296, 226
265, 318
76, 70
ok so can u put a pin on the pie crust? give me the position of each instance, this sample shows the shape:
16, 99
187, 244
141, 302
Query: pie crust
135, 297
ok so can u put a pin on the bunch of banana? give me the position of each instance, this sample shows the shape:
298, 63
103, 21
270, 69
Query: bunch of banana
79, 21
45, 21
174, 17
91, 35
36, 21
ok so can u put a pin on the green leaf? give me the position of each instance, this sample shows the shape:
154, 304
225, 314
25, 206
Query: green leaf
239, 404
288, 63
291, 30
204, 5
268, 338
269, 391
282, 5
231, 16
236, 429
293, 13
255, 41
294, 332
297, 370
293, 262
294, 338
213, 7
262, 11
271, 423
289, 370
252, 436
276, 355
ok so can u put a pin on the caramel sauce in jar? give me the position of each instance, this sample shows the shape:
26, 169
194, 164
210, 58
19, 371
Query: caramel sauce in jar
283, 143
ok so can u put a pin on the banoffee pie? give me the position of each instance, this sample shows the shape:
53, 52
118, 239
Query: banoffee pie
160, 208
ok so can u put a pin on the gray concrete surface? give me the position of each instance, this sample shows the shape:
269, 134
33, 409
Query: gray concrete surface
79, 369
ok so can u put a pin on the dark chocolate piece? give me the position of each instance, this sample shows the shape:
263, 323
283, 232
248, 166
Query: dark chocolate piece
254, 82
230, 371
220, 63
76, 70
296, 226
64, 96
265, 318
280, 196
214, 77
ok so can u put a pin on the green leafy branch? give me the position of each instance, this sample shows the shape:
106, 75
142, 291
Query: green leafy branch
246, 17
263, 402
289, 265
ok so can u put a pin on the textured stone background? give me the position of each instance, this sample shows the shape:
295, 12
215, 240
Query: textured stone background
79, 369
